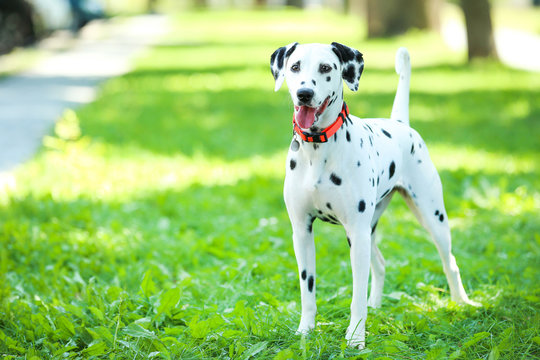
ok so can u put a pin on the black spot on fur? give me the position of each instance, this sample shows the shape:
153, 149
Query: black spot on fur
280, 57
314, 82
335, 66
290, 51
349, 241
392, 169
302, 83
436, 212
348, 136
335, 179
333, 219
441, 218
412, 148
310, 283
419, 161
310, 224
329, 206
386, 133
304, 275
377, 180
345, 53
349, 73
361, 143
329, 219
358, 163
361, 206
328, 78
292, 164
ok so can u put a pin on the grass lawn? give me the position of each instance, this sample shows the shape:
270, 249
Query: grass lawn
151, 223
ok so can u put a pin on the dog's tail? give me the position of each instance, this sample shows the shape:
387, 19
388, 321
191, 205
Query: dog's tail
400, 110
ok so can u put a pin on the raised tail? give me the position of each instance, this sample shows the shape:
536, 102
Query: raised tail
400, 110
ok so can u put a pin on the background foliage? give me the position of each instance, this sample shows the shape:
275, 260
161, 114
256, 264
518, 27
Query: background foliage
151, 224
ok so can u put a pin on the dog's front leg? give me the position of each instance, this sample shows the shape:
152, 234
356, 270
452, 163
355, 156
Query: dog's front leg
360, 259
304, 249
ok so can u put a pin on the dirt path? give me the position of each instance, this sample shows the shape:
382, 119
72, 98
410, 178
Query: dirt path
31, 102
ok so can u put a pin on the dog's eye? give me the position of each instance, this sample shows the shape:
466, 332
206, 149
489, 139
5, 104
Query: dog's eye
325, 68
295, 67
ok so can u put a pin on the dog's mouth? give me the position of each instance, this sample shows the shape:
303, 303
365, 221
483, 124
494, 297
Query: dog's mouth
305, 115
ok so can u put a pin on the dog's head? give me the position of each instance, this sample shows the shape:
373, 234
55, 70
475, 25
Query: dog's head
314, 74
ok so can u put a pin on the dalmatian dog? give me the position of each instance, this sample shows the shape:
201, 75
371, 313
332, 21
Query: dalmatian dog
344, 170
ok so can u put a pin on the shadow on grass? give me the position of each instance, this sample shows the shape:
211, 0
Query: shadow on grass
241, 123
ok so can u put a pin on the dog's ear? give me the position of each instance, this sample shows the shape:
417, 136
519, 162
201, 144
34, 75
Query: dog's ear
278, 60
352, 64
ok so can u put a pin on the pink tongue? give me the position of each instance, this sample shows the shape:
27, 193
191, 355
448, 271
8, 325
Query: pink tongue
305, 117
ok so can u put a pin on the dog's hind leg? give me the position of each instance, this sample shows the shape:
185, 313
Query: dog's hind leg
377, 260
377, 274
423, 195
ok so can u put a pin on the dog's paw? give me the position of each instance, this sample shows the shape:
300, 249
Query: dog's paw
466, 301
304, 329
355, 337
471, 303
374, 303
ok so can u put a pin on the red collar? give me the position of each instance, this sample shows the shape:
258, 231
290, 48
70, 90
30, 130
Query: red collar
327, 133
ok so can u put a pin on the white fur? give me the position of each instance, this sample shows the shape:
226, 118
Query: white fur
361, 156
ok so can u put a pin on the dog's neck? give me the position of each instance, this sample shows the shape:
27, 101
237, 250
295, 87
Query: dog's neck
322, 152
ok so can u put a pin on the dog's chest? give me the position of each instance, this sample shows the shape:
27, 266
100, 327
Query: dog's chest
321, 172
359, 162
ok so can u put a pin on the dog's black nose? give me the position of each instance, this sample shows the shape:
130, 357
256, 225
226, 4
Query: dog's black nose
305, 95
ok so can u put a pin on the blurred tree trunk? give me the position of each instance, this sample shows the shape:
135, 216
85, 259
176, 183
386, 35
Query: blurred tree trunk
480, 39
295, 3
151, 6
260, 3
201, 4
393, 17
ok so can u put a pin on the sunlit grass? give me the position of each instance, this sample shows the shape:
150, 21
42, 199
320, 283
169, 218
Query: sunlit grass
151, 223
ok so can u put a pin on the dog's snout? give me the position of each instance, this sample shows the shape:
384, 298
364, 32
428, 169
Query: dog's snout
305, 95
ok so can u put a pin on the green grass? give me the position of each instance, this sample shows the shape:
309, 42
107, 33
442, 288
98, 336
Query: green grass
151, 224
